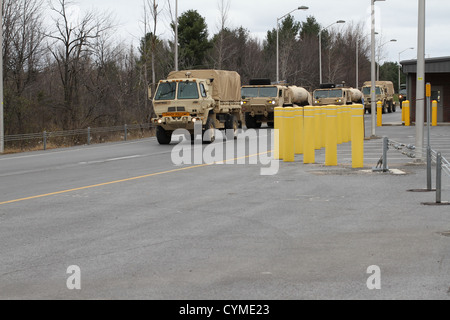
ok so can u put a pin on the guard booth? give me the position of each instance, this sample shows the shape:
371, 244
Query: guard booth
437, 72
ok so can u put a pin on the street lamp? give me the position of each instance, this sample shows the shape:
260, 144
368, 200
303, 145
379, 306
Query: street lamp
357, 58
2, 131
320, 46
278, 37
176, 35
373, 70
379, 54
399, 67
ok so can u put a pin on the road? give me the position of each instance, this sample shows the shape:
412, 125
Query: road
140, 227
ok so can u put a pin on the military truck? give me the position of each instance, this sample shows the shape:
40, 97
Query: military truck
331, 94
384, 93
190, 97
260, 98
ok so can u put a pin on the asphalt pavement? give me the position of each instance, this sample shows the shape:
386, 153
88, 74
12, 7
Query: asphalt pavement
138, 226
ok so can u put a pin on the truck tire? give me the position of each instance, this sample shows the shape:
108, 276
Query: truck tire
209, 135
250, 122
394, 107
164, 137
232, 123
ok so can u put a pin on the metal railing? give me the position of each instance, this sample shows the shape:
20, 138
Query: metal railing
88, 132
433, 157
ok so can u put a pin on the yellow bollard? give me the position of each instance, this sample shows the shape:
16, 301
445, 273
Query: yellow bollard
407, 108
289, 135
331, 138
309, 153
317, 128
347, 121
435, 113
379, 114
339, 124
323, 124
403, 112
357, 136
278, 126
298, 130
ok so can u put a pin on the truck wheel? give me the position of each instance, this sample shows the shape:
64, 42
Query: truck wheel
209, 134
250, 122
270, 124
394, 108
164, 137
232, 124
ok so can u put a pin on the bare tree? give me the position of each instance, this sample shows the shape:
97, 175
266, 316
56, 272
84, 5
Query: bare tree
72, 41
22, 52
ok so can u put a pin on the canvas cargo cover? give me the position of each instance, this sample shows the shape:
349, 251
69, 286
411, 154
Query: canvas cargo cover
226, 84
387, 84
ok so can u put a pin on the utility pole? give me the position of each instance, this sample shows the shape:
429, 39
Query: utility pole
420, 91
2, 130
176, 35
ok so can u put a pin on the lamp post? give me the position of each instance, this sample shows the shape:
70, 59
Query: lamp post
2, 131
176, 35
373, 70
357, 58
399, 67
379, 54
420, 89
320, 47
278, 37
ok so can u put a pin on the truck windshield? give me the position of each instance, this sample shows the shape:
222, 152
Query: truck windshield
188, 90
166, 91
366, 91
259, 92
321, 94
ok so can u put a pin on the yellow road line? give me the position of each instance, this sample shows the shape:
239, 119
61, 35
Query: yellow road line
125, 180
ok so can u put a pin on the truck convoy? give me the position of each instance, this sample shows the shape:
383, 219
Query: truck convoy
330, 94
384, 93
186, 98
260, 98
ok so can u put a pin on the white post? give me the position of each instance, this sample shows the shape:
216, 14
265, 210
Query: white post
420, 91
357, 63
320, 56
373, 71
176, 35
2, 130
278, 48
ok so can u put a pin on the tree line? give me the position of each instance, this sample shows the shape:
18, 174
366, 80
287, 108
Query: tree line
71, 73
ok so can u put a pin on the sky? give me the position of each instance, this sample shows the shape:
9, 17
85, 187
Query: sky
395, 19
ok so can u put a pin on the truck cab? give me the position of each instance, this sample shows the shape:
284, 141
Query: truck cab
329, 94
260, 101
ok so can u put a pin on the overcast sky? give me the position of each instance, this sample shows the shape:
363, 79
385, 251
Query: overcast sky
395, 19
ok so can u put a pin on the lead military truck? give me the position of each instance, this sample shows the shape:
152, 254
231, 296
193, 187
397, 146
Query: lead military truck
207, 97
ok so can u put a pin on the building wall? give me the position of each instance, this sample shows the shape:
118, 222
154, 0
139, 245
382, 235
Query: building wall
436, 80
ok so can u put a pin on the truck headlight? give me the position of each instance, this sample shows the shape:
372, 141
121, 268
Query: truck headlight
160, 121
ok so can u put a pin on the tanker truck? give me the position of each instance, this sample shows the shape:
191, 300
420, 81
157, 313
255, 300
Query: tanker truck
330, 94
260, 98
190, 97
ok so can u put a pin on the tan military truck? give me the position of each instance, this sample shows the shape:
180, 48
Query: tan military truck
260, 98
384, 93
187, 98
330, 94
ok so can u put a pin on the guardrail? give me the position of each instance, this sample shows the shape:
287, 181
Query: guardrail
88, 132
